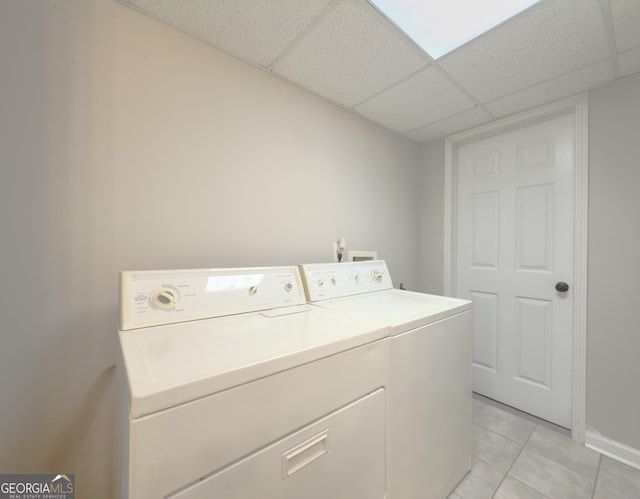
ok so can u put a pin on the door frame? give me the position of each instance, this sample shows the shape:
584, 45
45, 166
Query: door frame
578, 106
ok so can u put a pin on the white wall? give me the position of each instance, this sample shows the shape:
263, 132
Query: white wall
613, 335
127, 145
431, 274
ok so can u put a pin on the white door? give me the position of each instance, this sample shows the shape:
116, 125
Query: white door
514, 240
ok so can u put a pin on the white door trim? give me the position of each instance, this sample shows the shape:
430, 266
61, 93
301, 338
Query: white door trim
579, 107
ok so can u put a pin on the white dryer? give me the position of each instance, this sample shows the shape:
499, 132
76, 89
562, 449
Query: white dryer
231, 386
430, 427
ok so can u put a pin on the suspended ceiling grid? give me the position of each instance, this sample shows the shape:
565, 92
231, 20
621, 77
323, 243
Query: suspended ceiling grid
347, 52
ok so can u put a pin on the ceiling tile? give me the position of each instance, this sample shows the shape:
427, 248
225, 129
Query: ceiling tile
422, 99
629, 62
543, 42
350, 55
626, 23
252, 30
463, 121
558, 88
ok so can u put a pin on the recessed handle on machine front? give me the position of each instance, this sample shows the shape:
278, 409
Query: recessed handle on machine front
562, 287
305, 453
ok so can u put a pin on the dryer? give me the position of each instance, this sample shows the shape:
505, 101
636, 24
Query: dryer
430, 428
230, 386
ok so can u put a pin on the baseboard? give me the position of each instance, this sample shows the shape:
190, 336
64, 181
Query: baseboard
615, 450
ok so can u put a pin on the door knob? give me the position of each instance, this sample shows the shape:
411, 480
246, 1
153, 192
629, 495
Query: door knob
562, 287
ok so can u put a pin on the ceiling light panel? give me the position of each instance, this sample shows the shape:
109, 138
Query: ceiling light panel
441, 26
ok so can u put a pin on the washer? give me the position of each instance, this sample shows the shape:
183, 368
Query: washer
430, 427
231, 386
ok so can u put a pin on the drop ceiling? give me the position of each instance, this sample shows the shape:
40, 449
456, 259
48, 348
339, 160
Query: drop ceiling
347, 52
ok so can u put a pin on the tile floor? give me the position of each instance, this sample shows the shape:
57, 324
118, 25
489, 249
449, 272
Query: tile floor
518, 456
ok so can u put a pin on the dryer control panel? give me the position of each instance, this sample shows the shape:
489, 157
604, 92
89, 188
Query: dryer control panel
325, 281
151, 298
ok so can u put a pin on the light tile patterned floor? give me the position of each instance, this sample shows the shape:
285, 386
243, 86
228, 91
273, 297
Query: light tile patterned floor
517, 456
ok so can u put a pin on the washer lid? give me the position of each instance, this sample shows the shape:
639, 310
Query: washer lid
173, 364
402, 310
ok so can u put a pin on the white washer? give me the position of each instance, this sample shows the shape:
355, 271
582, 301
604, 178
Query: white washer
430, 395
231, 386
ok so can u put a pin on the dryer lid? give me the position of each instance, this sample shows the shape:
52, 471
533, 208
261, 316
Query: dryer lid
172, 364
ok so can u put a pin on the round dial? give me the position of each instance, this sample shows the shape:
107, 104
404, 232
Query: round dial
165, 298
288, 287
377, 275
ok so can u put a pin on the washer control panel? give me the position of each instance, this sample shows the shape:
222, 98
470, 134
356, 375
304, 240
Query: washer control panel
324, 281
151, 298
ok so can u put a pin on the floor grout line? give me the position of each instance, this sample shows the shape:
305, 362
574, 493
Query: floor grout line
506, 473
595, 480
530, 419
521, 414
481, 415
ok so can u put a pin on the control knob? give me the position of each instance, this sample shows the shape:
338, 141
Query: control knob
165, 298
